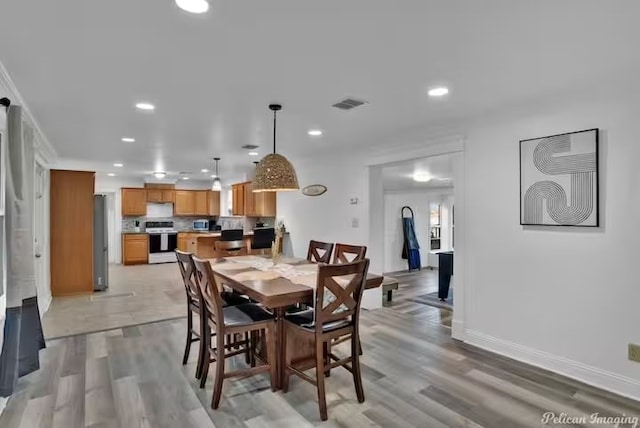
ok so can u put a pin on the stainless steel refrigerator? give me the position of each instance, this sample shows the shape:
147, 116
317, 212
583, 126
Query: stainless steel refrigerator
100, 244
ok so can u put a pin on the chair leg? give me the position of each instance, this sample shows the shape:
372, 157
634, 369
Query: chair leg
247, 353
326, 352
205, 340
322, 399
272, 355
187, 347
220, 361
355, 364
253, 343
201, 350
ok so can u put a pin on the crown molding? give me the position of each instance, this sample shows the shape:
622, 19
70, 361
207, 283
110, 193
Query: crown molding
43, 145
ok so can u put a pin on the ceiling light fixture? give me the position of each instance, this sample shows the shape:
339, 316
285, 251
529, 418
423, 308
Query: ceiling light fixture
204, 170
111, 174
253, 153
185, 178
118, 165
438, 92
422, 177
315, 132
145, 106
193, 6
159, 174
275, 173
128, 140
217, 184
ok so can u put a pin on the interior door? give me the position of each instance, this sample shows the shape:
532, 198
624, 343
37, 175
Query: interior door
40, 241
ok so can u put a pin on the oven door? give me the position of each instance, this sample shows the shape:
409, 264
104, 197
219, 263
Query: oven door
162, 247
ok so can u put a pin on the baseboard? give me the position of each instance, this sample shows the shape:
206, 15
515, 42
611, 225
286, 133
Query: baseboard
606, 380
457, 329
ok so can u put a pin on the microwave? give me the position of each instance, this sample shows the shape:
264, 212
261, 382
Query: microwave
201, 225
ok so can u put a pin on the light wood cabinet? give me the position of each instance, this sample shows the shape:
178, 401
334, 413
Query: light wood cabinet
237, 206
185, 203
265, 204
160, 195
201, 202
183, 241
249, 200
134, 202
213, 200
135, 248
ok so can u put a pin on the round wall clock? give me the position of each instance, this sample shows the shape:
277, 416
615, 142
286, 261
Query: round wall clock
314, 190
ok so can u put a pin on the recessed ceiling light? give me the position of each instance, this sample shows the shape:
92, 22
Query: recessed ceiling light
185, 178
145, 106
315, 132
118, 165
438, 92
159, 174
111, 174
213, 176
204, 170
253, 153
422, 177
193, 6
128, 140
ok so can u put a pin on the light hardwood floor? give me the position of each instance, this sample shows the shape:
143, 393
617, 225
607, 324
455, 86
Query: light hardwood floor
415, 375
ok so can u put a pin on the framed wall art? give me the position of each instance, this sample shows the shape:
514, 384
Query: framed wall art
559, 180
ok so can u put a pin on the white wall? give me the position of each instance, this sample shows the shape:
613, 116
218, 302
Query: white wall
562, 298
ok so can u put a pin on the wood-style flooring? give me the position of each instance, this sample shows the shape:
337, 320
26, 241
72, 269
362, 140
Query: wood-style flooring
414, 375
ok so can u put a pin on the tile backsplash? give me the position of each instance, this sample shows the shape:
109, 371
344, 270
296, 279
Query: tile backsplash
184, 224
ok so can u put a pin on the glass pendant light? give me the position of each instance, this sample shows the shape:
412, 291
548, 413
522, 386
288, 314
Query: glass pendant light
275, 173
217, 184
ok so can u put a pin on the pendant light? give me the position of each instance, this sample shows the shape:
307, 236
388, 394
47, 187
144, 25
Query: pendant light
275, 173
217, 184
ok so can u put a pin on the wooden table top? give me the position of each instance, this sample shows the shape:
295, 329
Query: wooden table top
268, 287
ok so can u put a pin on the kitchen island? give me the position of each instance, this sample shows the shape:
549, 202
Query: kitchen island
202, 244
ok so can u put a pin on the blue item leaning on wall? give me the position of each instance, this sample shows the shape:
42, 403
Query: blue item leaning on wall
411, 248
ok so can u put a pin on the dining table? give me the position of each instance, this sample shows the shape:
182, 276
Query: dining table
277, 285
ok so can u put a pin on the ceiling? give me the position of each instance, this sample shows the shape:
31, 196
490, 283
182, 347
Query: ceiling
82, 65
437, 169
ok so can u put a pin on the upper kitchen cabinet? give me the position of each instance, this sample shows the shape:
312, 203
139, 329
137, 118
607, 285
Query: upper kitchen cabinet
134, 202
237, 190
163, 196
249, 200
201, 202
265, 204
213, 202
185, 203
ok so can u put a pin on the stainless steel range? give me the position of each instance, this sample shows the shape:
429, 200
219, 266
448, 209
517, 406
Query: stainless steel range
163, 240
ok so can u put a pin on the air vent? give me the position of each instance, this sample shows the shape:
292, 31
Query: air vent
348, 104
250, 147
185, 173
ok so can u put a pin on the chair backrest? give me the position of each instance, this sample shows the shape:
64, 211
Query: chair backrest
319, 252
263, 238
209, 289
231, 248
339, 293
187, 270
349, 253
232, 235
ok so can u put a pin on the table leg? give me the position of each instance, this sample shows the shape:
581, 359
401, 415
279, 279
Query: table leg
389, 295
281, 350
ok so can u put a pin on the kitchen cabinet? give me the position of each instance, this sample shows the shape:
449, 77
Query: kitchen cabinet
183, 241
135, 248
162, 196
237, 206
249, 200
265, 204
201, 202
213, 202
134, 202
185, 203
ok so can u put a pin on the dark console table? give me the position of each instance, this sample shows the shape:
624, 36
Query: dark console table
445, 270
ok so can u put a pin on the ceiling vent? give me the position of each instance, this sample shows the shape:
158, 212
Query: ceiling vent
349, 103
250, 147
185, 173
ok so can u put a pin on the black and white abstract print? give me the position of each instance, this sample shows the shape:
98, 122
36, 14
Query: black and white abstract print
559, 180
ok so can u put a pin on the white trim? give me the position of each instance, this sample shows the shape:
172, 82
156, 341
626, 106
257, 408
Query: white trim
594, 376
428, 147
457, 330
43, 145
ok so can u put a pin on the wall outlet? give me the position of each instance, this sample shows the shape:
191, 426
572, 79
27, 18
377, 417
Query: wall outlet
353, 201
634, 352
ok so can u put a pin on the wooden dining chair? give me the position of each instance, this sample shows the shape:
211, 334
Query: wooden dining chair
231, 320
231, 248
349, 253
338, 298
319, 252
229, 298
